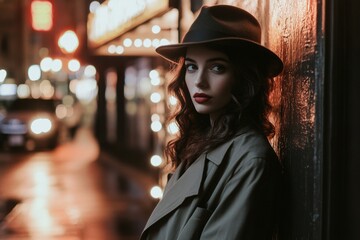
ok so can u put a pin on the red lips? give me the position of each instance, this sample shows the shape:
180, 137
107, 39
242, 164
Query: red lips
201, 97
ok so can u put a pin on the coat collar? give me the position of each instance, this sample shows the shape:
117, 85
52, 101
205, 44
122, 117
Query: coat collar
217, 155
181, 187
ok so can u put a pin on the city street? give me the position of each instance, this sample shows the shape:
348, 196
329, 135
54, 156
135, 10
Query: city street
73, 192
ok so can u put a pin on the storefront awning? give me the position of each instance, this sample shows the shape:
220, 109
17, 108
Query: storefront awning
131, 27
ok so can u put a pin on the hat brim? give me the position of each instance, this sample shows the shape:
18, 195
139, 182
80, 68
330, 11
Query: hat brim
269, 61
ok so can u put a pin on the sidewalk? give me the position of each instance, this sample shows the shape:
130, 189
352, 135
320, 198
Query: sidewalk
75, 192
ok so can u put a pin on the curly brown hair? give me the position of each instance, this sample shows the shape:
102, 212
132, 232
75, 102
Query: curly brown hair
250, 105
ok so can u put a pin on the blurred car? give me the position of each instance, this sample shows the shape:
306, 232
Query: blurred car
29, 124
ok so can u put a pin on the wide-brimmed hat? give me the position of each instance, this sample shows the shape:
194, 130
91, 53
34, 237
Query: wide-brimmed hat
230, 26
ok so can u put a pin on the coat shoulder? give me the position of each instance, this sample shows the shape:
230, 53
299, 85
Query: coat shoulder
252, 144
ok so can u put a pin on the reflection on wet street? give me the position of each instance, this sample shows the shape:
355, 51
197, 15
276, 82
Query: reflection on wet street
74, 192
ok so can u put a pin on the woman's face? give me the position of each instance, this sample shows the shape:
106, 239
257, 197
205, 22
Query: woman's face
209, 78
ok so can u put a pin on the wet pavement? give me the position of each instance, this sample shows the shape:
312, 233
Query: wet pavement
74, 192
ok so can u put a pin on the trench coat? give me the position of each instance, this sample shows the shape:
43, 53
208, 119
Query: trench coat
243, 200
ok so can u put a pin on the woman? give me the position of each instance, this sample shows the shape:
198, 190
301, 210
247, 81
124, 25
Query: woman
227, 176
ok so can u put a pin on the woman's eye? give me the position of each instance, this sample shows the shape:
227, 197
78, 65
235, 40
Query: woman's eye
190, 67
218, 68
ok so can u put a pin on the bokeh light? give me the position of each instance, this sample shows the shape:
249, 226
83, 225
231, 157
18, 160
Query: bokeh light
68, 41
3, 74
156, 126
156, 192
74, 65
56, 65
34, 72
45, 64
156, 160
155, 97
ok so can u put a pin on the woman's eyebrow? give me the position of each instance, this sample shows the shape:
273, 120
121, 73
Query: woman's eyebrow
217, 59
189, 59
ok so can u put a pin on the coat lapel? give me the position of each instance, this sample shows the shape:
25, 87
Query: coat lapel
179, 189
217, 155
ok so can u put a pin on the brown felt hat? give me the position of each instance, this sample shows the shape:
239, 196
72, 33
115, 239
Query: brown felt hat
230, 26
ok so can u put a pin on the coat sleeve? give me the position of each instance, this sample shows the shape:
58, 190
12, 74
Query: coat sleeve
246, 207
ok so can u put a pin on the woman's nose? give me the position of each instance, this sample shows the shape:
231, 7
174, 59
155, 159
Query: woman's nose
201, 80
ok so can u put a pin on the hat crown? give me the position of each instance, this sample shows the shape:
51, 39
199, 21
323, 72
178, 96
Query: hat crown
223, 22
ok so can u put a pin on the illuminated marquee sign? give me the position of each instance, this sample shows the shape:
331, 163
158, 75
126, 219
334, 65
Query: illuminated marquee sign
115, 17
41, 15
